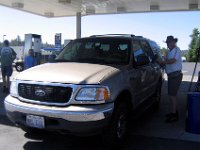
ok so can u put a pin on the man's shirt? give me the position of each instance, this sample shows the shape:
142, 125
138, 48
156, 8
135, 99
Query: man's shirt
7, 56
29, 62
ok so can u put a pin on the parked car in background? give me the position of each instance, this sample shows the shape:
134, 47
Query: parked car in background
19, 65
184, 59
93, 87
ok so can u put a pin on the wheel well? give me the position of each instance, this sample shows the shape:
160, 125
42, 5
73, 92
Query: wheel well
125, 97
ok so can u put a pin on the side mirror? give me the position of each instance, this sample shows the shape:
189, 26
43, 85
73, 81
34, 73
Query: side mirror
155, 57
142, 60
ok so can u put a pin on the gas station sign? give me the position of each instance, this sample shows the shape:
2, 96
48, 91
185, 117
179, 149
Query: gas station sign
58, 38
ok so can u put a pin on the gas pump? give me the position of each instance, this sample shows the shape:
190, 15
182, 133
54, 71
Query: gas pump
32, 41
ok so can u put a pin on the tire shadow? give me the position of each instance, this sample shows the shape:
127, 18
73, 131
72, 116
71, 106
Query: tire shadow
55, 141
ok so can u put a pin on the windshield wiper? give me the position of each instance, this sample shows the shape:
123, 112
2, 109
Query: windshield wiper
62, 60
91, 60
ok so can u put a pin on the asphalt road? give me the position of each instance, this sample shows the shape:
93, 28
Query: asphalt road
189, 67
146, 133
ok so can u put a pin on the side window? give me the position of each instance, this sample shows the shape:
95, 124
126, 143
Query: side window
137, 50
89, 45
154, 47
105, 47
123, 47
147, 49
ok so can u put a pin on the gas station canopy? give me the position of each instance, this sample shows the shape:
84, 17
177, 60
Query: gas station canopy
79, 8
62, 8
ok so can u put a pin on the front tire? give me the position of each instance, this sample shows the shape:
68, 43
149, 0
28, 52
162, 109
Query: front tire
19, 67
117, 130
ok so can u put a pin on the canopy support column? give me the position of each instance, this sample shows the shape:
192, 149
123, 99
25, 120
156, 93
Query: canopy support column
78, 25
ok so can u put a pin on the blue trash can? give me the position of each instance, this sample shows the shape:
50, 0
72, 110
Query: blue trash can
193, 118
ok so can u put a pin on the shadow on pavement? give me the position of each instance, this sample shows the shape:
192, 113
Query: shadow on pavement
5, 121
61, 142
3, 118
55, 141
154, 143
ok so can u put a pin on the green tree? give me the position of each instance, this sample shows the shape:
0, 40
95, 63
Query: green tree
47, 45
195, 43
17, 42
163, 51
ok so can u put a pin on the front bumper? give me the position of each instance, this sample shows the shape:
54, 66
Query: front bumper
81, 119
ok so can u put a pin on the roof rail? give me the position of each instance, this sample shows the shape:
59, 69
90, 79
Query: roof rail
125, 35
139, 36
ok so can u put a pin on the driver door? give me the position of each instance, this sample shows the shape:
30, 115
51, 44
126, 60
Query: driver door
138, 74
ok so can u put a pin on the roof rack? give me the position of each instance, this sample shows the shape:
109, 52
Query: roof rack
139, 36
125, 35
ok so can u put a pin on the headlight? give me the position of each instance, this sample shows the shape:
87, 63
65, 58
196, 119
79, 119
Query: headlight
93, 94
13, 89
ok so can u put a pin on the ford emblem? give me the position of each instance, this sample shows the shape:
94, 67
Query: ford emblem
40, 93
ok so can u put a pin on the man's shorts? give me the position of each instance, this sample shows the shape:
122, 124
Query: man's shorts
174, 83
6, 71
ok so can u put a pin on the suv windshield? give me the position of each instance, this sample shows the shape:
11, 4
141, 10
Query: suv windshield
96, 50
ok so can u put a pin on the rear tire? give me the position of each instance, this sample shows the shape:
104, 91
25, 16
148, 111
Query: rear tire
116, 132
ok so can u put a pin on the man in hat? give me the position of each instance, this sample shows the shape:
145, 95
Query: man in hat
8, 55
173, 67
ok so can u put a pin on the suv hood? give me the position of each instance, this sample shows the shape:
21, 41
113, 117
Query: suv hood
75, 73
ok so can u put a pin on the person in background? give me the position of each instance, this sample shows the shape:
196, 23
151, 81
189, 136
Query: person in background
173, 67
30, 60
8, 55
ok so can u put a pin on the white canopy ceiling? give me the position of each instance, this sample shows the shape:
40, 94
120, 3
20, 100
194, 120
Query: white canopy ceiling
61, 8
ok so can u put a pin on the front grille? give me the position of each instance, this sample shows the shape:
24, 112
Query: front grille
45, 93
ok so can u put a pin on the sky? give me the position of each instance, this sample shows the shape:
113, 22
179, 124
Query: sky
155, 26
